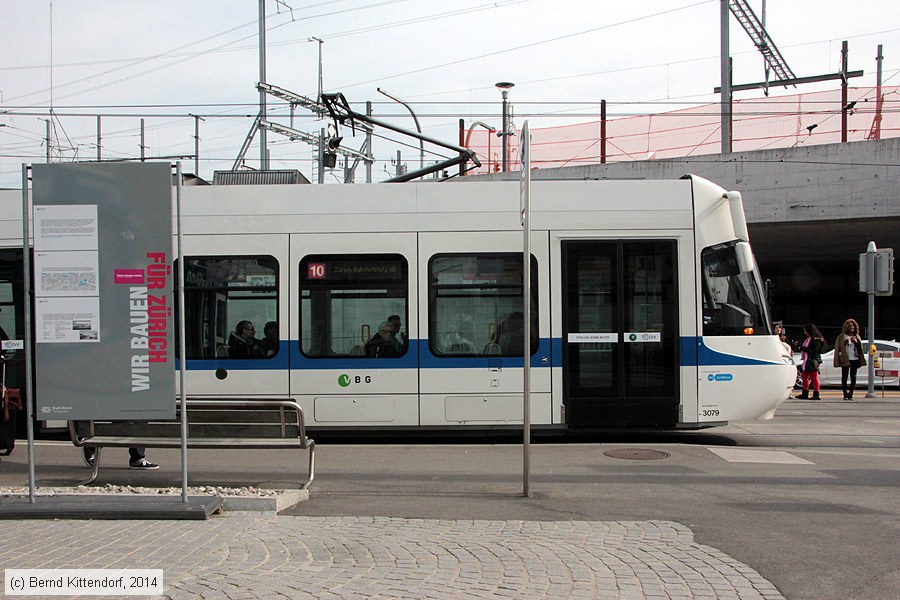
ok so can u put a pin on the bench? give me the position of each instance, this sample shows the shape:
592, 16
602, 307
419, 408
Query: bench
222, 423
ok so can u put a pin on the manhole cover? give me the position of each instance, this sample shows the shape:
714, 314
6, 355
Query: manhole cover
636, 454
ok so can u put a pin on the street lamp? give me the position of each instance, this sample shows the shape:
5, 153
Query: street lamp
504, 87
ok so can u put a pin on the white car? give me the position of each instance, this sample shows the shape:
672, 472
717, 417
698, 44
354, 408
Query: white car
889, 367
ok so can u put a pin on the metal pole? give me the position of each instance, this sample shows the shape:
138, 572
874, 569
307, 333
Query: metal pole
526, 312
871, 391
844, 85
48, 141
263, 154
602, 131
197, 145
322, 155
462, 166
143, 147
505, 133
870, 279
879, 99
369, 150
182, 344
98, 138
765, 62
726, 78
879, 59
29, 385
321, 87
415, 119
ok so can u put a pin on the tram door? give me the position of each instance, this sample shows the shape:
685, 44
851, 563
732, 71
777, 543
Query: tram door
620, 333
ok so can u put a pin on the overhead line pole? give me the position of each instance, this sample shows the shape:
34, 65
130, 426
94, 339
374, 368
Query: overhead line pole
844, 86
725, 77
263, 152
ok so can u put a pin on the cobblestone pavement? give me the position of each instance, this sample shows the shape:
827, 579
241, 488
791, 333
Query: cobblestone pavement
248, 555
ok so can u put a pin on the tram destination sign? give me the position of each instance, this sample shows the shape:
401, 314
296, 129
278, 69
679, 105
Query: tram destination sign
350, 271
103, 285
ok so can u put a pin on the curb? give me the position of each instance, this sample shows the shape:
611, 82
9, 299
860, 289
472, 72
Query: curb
284, 499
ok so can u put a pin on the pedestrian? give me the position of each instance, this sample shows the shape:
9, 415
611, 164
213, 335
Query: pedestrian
811, 358
849, 356
136, 459
782, 337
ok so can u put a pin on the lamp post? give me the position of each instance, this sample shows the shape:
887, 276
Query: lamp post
504, 87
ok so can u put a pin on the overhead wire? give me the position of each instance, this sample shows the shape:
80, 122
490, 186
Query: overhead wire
193, 55
529, 45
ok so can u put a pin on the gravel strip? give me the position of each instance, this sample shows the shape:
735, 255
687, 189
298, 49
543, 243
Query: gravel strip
205, 490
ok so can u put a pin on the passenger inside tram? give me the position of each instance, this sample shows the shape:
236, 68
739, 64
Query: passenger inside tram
399, 334
512, 334
268, 346
243, 343
384, 344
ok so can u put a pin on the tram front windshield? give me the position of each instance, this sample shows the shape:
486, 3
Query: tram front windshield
732, 295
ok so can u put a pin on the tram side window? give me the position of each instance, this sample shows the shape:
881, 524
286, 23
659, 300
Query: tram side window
7, 310
732, 298
476, 307
11, 285
229, 301
345, 304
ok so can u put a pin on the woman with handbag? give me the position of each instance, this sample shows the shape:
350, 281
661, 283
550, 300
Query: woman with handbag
811, 356
849, 356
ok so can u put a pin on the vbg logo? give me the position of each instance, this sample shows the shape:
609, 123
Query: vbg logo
345, 380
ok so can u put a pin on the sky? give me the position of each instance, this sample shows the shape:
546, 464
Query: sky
167, 61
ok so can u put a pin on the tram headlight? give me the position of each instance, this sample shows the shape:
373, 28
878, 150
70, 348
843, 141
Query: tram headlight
748, 331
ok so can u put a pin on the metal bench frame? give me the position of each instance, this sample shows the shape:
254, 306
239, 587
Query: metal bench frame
98, 442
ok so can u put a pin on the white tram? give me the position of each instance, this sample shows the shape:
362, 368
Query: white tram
647, 307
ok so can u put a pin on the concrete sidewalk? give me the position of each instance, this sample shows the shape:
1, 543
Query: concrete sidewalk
248, 555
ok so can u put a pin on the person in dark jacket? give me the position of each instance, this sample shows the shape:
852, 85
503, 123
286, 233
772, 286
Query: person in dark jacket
268, 346
243, 343
383, 344
811, 356
849, 356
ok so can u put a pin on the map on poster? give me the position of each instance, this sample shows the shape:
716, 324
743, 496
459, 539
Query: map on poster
66, 273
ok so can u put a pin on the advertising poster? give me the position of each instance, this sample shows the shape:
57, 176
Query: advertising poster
104, 302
